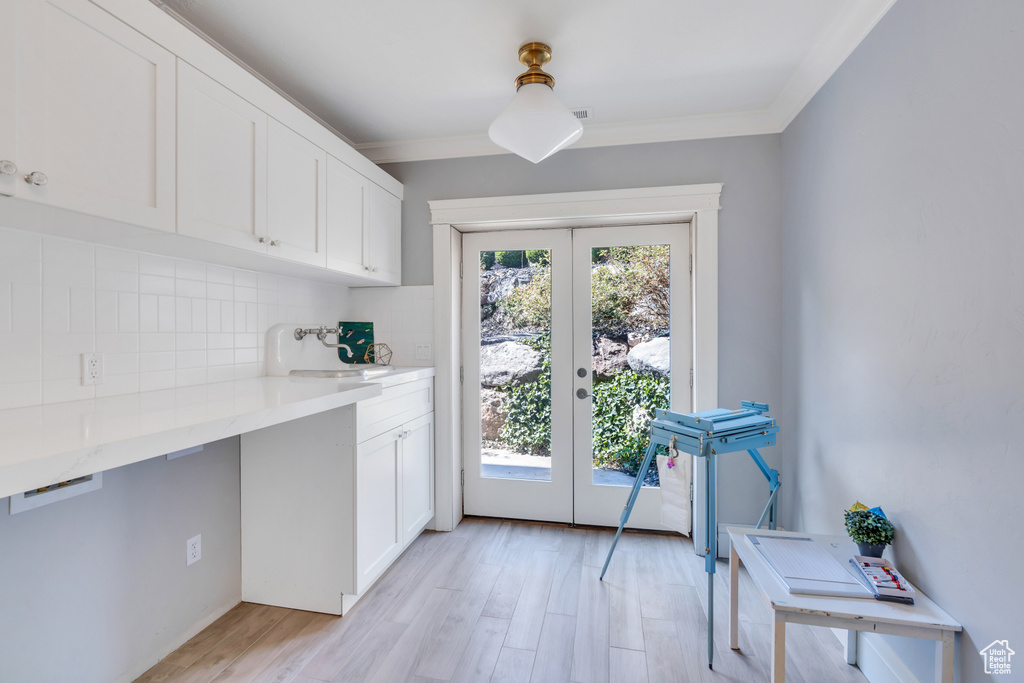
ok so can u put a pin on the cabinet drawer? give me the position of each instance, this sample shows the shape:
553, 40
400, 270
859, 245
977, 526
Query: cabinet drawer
396, 405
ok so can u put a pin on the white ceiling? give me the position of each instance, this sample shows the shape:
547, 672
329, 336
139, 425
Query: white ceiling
421, 79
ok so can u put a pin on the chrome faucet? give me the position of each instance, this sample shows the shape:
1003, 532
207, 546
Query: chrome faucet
321, 334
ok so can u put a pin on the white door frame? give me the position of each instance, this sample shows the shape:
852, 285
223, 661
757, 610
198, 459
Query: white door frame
696, 204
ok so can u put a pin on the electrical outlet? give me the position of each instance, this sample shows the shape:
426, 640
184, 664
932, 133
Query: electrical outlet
92, 369
423, 352
193, 550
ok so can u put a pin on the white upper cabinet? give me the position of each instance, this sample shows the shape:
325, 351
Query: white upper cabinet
385, 235
94, 114
346, 219
296, 196
364, 226
222, 164
8, 104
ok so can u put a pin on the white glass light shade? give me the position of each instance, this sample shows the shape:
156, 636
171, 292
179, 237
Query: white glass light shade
535, 124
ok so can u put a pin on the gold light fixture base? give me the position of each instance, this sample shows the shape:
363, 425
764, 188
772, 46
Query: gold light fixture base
534, 56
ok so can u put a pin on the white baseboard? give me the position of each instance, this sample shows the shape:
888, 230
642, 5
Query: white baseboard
877, 660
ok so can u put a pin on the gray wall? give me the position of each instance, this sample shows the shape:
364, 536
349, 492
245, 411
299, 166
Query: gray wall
903, 300
97, 585
750, 249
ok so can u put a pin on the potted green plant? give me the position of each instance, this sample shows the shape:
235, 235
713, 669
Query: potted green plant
869, 529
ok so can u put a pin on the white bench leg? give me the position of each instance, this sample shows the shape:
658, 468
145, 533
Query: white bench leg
734, 598
851, 647
779, 649
944, 658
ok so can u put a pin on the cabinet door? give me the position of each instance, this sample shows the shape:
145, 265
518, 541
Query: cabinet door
8, 86
296, 196
95, 114
347, 193
378, 507
222, 163
385, 235
417, 476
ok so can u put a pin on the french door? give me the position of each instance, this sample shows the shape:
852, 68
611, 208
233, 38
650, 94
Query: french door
571, 339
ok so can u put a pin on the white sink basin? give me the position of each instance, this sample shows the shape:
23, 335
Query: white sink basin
361, 373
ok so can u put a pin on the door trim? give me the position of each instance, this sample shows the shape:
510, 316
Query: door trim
697, 204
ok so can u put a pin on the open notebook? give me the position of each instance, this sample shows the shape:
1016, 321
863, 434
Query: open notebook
805, 567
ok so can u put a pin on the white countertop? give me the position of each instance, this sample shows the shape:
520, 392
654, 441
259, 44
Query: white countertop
43, 445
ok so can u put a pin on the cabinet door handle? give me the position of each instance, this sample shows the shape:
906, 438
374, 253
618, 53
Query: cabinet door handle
36, 178
275, 243
261, 240
8, 167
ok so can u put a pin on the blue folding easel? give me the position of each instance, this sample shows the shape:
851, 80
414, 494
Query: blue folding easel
708, 434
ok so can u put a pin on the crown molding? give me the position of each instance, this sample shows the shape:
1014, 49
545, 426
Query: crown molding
828, 53
838, 42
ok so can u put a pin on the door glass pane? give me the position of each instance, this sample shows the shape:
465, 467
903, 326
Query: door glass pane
631, 361
515, 364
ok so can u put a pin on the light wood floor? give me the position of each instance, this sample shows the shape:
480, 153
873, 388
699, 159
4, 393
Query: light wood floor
514, 601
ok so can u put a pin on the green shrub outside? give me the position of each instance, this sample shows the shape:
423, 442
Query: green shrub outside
619, 439
629, 286
529, 306
538, 257
528, 407
511, 259
486, 260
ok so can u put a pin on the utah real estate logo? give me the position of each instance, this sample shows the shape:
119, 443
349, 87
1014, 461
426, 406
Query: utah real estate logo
997, 657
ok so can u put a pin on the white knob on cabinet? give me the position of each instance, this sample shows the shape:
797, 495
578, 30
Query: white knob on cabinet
8, 167
36, 178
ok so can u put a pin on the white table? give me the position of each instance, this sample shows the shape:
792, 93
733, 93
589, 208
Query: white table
924, 619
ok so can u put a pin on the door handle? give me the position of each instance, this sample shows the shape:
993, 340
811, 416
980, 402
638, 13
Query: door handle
581, 393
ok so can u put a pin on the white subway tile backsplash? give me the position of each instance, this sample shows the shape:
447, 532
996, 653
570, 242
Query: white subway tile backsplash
121, 363
190, 270
117, 280
83, 310
159, 322
118, 385
220, 292
56, 309
119, 342
149, 342
5, 307
156, 362
116, 259
220, 275
198, 315
156, 265
70, 342
245, 278
156, 284
26, 307
106, 311
190, 341
62, 366
21, 368
165, 313
192, 288
183, 314
60, 390
153, 381
67, 252
20, 394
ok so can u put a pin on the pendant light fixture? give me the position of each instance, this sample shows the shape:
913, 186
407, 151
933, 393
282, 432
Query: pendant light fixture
535, 124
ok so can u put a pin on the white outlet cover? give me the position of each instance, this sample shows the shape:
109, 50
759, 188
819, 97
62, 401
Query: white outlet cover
193, 550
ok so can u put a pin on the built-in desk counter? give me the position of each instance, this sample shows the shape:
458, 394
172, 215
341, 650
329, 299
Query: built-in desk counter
43, 445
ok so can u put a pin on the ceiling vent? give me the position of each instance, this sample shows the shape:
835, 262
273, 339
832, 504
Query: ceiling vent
584, 114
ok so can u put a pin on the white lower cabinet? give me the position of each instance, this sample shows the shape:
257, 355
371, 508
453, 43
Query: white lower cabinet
329, 501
